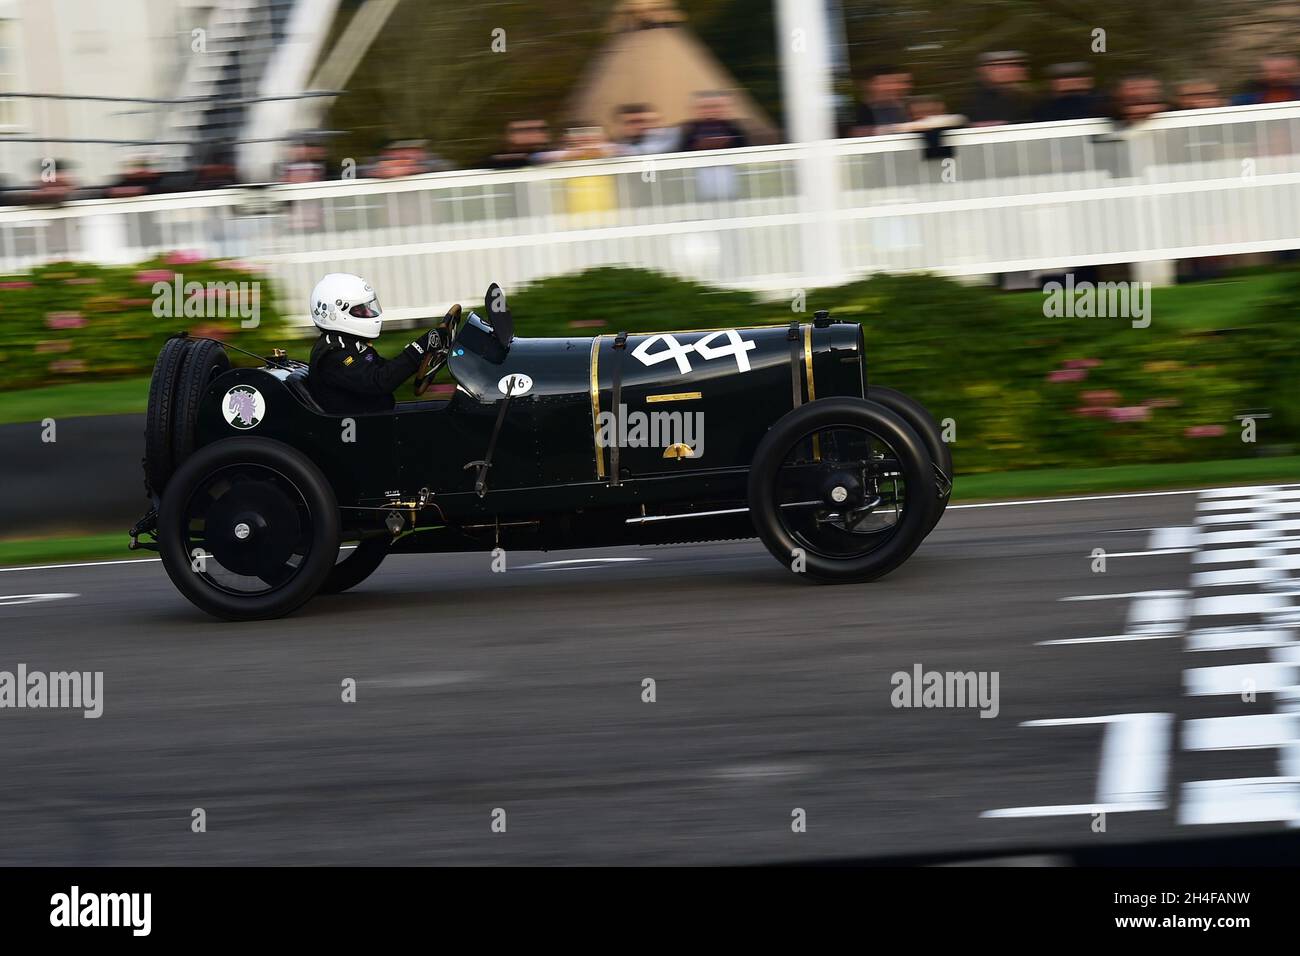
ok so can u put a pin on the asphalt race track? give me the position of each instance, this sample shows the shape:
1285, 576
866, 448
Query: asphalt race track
523, 691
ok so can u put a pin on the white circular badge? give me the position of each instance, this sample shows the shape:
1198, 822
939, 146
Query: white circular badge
243, 406
515, 384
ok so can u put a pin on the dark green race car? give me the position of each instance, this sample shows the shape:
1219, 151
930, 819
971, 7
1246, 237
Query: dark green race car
545, 444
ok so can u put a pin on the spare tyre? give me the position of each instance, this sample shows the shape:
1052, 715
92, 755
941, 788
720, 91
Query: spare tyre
158, 460
205, 361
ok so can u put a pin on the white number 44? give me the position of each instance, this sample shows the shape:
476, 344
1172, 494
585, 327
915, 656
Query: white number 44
681, 353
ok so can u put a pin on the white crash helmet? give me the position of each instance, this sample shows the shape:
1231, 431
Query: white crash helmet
342, 302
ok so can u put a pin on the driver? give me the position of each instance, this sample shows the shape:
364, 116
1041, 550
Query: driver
347, 374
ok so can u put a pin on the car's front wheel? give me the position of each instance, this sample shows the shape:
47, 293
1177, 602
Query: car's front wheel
841, 489
248, 529
927, 429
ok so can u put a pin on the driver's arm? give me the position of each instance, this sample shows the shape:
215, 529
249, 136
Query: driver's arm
371, 374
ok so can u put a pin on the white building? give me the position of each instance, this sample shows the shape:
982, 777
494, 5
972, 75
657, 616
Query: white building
172, 78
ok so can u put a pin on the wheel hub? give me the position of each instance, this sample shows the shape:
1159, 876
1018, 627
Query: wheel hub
252, 529
842, 489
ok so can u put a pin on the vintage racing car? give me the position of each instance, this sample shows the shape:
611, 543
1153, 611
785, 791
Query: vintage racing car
546, 443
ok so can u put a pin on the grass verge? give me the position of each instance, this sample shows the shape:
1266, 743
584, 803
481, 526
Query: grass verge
20, 552
1080, 481
120, 397
1053, 482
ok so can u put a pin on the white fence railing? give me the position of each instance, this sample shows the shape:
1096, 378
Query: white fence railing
1034, 197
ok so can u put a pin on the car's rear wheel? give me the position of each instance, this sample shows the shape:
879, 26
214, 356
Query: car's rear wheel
356, 565
923, 423
159, 461
840, 489
248, 529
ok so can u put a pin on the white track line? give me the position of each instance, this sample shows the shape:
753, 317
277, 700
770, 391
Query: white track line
1228, 491
1147, 554
1055, 501
1134, 762
575, 564
14, 600
1124, 595
1246, 800
1105, 639
83, 564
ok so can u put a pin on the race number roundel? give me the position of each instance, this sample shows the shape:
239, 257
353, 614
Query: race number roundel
244, 407
515, 384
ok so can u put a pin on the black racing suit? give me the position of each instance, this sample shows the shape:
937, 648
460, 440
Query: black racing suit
349, 377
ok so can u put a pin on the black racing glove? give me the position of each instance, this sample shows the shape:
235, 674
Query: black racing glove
435, 341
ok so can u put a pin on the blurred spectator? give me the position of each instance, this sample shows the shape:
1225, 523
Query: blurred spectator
930, 118
580, 142
526, 141
139, 178
1001, 95
592, 197
884, 102
714, 125
1278, 81
1072, 95
642, 133
306, 164
1138, 97
926, 111
1197, 95
214, 175
55, 184
408, 157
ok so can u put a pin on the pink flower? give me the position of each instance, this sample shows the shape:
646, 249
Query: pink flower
1092, 411
210, 332
15, 285
182, 257
65, 320
1104, 396
1067, 375
1081, 363
1129, 413
1162, 402
68, 366
1204, 431
150, 276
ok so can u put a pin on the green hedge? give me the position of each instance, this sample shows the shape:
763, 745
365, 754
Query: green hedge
1023, 390
72, 322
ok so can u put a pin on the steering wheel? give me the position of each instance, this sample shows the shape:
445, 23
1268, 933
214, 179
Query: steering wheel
432, 362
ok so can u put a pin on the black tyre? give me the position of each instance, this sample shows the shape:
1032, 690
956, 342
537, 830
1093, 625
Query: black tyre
159, 462
204, 362
923, 423
355, 566
841, 489
248, 529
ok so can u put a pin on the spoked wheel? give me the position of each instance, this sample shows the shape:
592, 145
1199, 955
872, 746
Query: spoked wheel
355, 565
248, 529
842, 489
